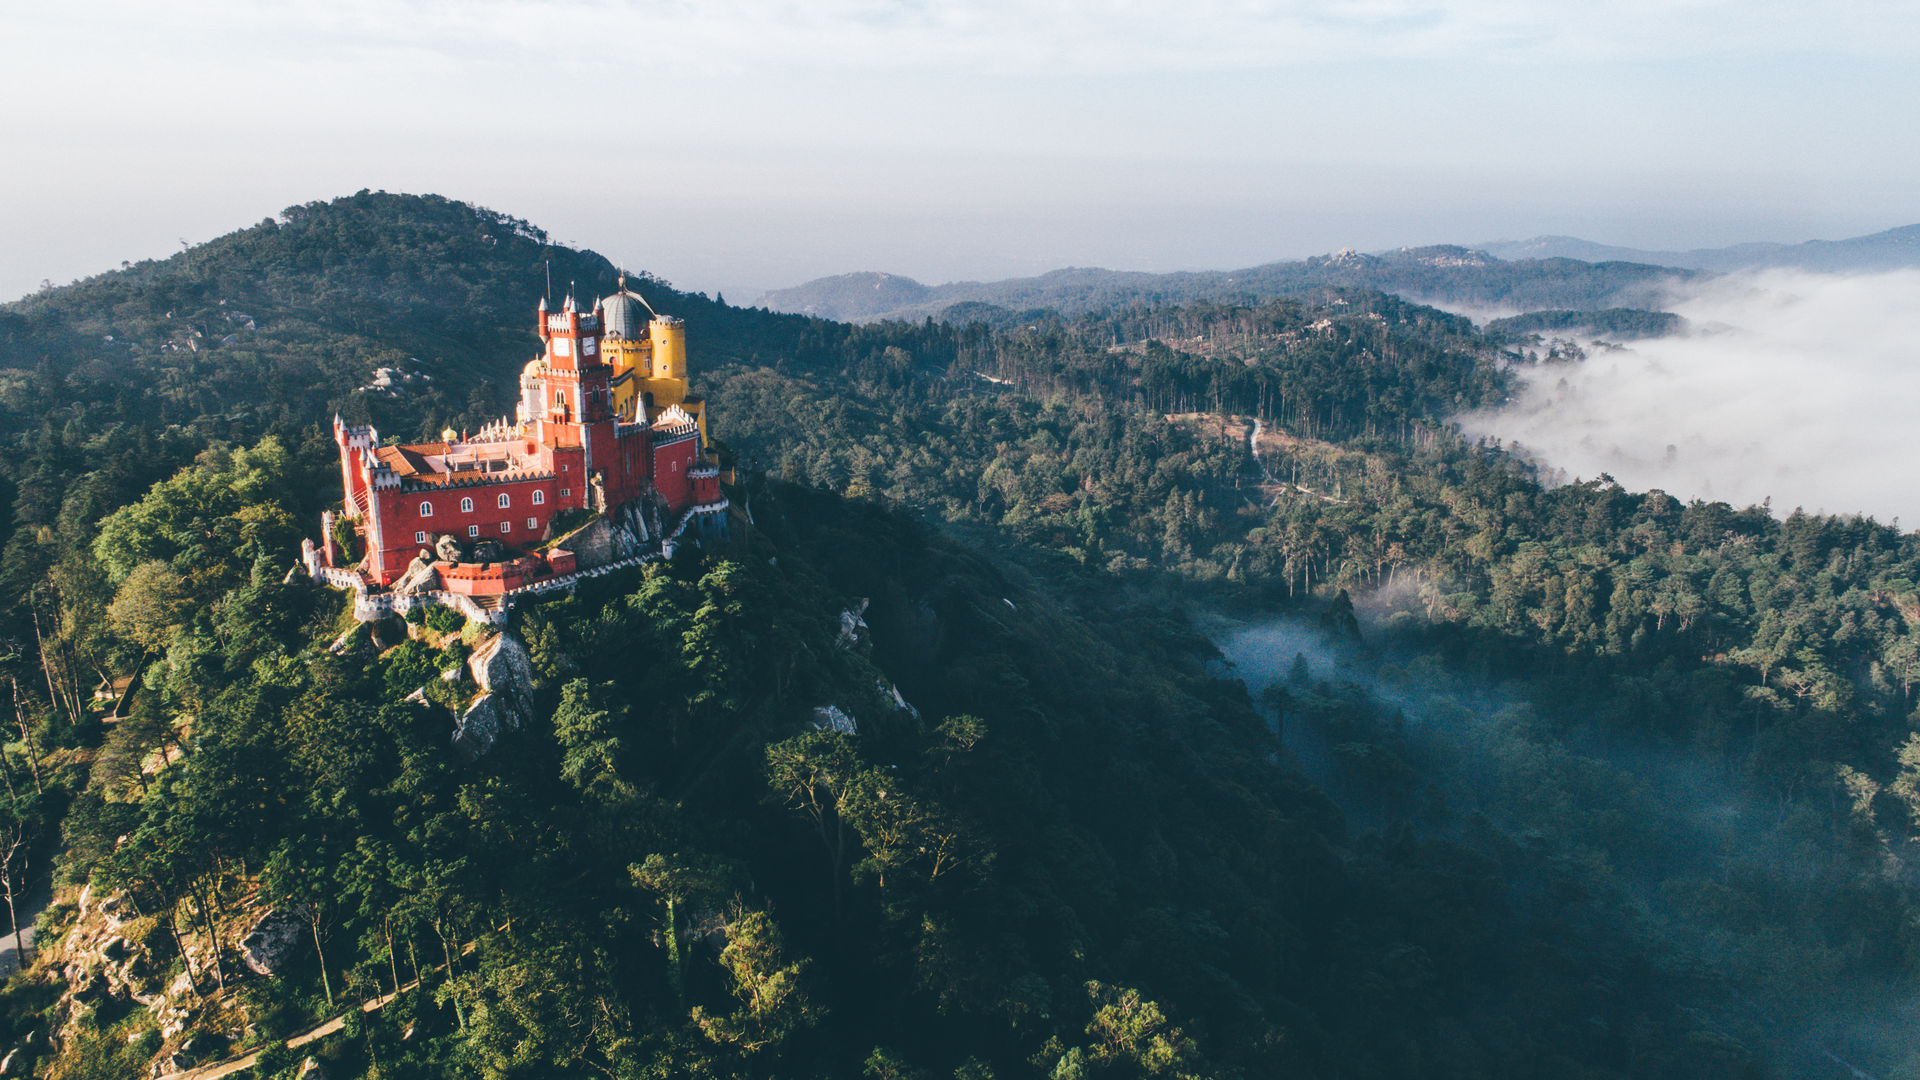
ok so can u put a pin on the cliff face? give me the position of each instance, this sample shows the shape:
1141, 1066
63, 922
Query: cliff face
503, 669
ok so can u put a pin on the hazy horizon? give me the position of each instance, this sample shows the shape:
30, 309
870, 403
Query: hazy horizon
740, 146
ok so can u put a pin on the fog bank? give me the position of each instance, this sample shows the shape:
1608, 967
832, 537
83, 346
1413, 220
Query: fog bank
1791, 386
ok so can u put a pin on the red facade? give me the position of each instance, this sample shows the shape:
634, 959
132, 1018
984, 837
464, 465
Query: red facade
406, 521
508, 482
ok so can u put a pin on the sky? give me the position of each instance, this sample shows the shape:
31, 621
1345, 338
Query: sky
1790, 387
741, 145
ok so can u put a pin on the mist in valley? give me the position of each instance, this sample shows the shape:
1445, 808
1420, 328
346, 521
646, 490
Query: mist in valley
1660, 847
1793, 387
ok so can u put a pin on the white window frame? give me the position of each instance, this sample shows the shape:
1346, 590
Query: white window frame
506, 527
473, 531
466, 506
539, 497
419, 538
533, 524
426, 509
506, 500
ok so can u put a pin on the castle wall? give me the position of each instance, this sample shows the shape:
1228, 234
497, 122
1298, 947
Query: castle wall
569, 467
486, 579
404, 530
671, 463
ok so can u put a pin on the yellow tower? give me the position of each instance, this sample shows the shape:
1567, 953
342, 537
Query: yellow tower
649, 358
669, 337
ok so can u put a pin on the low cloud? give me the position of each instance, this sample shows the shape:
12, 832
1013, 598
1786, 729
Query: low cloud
1801, 388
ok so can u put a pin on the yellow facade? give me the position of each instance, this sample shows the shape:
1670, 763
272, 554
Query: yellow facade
649, 368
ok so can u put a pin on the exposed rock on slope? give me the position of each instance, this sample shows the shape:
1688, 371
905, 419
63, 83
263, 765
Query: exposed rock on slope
273, 941
503, 669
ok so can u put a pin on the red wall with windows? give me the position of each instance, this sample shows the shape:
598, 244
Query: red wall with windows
670, 465
400, 518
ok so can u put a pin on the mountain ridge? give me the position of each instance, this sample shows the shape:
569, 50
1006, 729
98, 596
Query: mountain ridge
1441, 274
1531, 274
1895, 248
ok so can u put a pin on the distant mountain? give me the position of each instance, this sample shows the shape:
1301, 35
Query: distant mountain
1445, 275
850, 296
1893, 249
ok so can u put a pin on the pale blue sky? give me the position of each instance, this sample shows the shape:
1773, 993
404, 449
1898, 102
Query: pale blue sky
742, 145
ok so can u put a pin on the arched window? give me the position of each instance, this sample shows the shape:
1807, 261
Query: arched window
466, 506
505, 500
426, 509
539, 497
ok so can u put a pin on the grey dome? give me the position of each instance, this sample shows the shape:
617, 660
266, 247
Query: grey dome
624, 316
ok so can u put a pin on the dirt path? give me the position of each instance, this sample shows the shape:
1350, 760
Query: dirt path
1273, 484
245, 1061
1253, 443
31, 906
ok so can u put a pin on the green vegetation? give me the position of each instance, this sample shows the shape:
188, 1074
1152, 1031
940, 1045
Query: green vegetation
1623, 324
1017, 823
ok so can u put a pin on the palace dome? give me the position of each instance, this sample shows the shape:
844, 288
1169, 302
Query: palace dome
623, 316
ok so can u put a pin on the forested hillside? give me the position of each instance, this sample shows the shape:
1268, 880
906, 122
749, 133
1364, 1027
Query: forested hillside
931, 771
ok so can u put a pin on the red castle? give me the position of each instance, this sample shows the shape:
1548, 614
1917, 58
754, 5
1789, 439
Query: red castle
474, 516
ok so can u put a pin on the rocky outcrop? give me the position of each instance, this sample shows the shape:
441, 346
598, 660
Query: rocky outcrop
504, 671
273, 941
114, 959
501, 665
420, 576
892, 693
629, 531
834, 718
477, 728
854, 633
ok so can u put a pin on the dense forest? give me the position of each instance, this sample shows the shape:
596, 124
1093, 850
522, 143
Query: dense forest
934, 769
